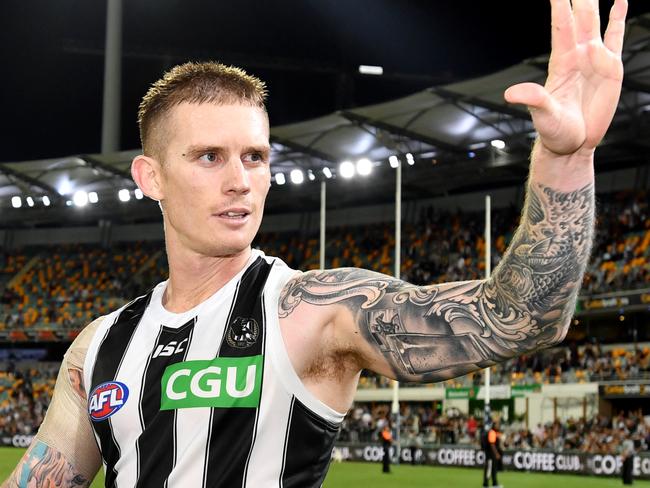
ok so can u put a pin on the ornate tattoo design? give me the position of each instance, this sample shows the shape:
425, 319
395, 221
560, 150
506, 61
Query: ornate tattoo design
44, 466
436, 332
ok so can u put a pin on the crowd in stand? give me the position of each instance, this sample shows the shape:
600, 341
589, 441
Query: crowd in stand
570, 364
599, 434
25, 395
67, 286
422, 425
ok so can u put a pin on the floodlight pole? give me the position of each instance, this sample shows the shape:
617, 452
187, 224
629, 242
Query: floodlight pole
112, 78
488, 271
323, 196
398, 275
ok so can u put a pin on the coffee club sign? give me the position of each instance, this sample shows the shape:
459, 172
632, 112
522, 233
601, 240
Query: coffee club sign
536, 461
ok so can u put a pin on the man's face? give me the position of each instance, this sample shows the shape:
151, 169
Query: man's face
214, 176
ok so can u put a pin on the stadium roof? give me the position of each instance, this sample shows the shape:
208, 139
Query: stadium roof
449, 130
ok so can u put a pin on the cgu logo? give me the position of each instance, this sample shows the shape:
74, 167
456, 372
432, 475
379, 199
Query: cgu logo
169, 349
220, 382
106, 399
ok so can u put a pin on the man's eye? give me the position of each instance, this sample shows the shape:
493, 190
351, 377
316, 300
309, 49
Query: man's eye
254, 158
209, 157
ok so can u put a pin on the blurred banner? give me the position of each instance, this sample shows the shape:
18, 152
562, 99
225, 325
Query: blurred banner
538, 461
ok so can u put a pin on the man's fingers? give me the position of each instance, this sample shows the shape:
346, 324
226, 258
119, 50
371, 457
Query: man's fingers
587, 20
532, 95
615, 33
563, 36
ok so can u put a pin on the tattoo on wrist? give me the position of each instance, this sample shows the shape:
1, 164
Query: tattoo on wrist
437, 332
45, 466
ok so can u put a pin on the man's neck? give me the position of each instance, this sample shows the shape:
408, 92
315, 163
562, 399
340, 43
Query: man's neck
194, 278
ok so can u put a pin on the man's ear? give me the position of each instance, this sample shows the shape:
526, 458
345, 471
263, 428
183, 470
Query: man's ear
147, 173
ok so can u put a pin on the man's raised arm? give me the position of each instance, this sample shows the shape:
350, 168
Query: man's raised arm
437, 332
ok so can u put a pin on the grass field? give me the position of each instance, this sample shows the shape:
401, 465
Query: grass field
355, 475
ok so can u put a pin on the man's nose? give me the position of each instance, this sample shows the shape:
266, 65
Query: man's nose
236, 178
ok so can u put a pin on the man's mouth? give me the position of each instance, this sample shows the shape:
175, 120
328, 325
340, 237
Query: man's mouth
235, 214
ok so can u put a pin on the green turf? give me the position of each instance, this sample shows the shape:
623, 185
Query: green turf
355, 475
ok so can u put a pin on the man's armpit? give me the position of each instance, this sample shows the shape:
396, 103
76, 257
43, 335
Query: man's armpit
43, 465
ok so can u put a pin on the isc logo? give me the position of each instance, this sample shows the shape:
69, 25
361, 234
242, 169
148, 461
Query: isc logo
106, 399
169, 349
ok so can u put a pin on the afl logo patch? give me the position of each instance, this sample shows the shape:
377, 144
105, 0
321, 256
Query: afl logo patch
106, 399
242, 333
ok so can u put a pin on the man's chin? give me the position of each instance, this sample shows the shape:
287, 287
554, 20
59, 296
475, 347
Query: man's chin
227, 249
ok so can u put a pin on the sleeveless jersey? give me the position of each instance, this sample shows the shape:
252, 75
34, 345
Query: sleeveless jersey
208, 397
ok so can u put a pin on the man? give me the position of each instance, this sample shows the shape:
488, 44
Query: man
386, 437
237, 371
627, 456
492, 449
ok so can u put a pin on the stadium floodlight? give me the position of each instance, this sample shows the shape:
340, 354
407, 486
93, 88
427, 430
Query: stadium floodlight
65, 187
498, 143
393, 161
311, 175
280, 179
297, 176
327, 172
30, 201
46, 200
80, 198
410, 159
138, 194
93, 197
16, 202
366, 69
124, 195
364, 167
346, 169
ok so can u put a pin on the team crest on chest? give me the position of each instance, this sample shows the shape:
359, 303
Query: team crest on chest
242, 333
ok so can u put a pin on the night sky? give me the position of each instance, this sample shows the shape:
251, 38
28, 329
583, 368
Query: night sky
307, 51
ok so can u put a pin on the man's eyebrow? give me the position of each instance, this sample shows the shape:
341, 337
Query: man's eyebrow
263, 149
198, 150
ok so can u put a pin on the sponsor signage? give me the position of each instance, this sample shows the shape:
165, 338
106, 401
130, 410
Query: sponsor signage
17, 440
497, 392
624, 390
525, 390
614, 303
221, 382
513, 460
456, 393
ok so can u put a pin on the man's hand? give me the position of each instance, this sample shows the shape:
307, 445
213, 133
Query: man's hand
573, 110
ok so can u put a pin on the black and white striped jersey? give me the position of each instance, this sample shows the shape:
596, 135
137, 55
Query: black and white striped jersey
208, 397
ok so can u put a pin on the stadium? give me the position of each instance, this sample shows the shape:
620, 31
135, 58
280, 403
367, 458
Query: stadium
417, 173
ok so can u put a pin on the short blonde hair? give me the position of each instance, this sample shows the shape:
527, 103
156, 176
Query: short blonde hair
204, 82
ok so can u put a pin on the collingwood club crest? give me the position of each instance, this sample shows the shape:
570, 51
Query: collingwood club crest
242, 333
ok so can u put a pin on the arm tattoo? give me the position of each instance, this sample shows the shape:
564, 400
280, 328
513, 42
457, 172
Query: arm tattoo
436, 332
44, 466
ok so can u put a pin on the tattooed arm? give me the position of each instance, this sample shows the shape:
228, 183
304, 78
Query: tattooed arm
45, 466
431, 333
436, 332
